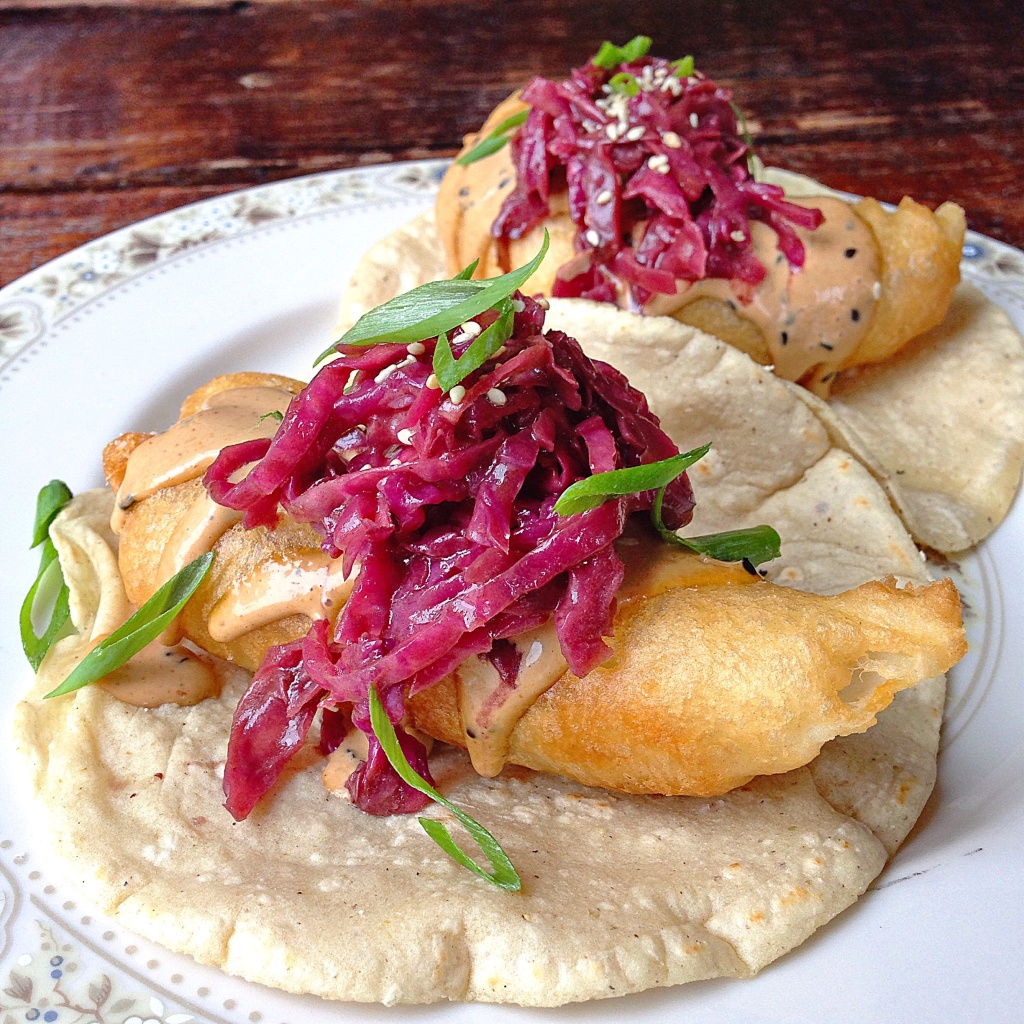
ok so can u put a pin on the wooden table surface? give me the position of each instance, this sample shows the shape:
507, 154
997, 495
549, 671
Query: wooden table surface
113, 111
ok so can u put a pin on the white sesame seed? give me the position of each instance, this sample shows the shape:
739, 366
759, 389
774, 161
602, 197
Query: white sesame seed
405, 436
501, 351
407, 361
659, 163
603, 198
470, 328
588, 125
672, 140
518, 305
457, 394
612, 131
417, 348
876, 289
694, 119
385, 373
593, 237
737, 236
496, 396
544, 304
636, 133
433, 382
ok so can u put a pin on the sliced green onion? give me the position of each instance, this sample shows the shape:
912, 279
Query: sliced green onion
683, 67
434, 308
49, 576
636, 48
611, 56
495, 141
747, 137
466, 274
504, 875
755, 545
601, 487
51, 499
625, 83
141, 629
450, 371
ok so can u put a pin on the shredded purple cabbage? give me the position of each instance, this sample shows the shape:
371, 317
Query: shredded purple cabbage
447, 510
658, 183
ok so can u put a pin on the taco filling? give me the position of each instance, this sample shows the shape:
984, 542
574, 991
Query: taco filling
656, 172
642, 171
443, 505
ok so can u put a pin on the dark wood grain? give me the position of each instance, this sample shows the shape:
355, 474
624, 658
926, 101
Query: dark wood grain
118, 111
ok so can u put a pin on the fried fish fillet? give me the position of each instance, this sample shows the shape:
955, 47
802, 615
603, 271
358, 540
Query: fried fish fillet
717, 676
911, 254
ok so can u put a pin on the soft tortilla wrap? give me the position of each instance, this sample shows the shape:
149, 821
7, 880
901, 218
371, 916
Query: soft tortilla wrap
620, 893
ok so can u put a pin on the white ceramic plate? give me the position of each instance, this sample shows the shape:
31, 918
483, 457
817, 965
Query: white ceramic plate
110, 336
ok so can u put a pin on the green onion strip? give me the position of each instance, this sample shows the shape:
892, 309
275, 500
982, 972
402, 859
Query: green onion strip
433, 309
611, 56
140, 630
755, 545
495, 141
504, 875
51, 499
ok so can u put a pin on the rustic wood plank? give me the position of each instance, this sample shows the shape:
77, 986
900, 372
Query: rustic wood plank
117, 111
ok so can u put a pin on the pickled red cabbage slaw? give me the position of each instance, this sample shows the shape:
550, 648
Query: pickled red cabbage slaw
445, 502
657, 175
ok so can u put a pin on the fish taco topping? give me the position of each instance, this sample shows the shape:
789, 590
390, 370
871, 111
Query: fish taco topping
444, 506
654, 160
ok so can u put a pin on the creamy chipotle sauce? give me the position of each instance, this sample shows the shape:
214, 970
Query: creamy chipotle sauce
312, 584
812, 318
162, 675
164, 672
187, 449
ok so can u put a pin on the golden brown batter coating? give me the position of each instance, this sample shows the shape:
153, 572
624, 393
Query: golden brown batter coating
712, 685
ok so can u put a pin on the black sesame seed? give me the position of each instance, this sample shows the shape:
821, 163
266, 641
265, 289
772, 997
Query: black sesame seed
784, 337
826, 345
464, 191
854, 315
504, 183
850, 253
471, 733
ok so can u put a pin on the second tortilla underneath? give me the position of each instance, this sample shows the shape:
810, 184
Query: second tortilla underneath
620, 893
